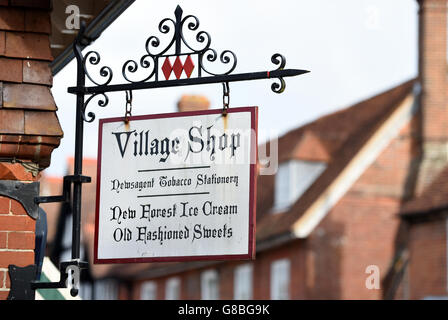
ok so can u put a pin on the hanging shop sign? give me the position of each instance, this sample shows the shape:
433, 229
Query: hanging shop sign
170, 187
177, 187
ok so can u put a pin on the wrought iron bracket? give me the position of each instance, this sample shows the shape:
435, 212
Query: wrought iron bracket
66, 199
21, 282
66, 186
22, 192
24, 286
64, 274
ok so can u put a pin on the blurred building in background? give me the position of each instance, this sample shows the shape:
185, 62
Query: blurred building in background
420, 266
357, 209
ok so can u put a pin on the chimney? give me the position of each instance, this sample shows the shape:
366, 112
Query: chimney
433, 72
193, 103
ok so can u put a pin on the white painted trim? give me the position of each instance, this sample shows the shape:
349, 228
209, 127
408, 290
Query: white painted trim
206, 276
173, 284
355, 168
148, 290
285, 271
240, 274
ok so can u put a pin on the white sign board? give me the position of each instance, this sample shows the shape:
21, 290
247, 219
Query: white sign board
177, 187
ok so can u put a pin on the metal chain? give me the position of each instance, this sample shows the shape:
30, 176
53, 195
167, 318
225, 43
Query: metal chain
128, 110
225, 98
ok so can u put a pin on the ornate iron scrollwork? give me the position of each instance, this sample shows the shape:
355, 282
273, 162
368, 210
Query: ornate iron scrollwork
178, 63
102, 102
94, 58
281, 62
178, 41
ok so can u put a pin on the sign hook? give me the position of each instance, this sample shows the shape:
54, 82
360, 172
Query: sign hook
128, 110
225, 98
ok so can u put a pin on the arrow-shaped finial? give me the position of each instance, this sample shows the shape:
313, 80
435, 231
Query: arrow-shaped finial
178, 12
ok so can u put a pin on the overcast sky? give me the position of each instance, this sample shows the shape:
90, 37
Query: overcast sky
354, 49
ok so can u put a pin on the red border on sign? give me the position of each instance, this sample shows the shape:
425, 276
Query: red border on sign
252, 191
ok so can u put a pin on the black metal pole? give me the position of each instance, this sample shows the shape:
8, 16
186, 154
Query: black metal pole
274, 74
77, 184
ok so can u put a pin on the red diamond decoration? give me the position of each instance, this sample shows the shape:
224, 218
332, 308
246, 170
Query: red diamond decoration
177, 67
188, 66
167, 68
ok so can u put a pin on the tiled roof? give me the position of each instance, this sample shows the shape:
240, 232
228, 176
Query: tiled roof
341, 135
433, 198
29, 127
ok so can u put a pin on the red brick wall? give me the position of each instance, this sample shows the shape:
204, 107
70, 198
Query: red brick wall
190, 285
226, 279
358, 232
433, 78
428, 259
16, 240
391, 174
433, 68
361, 228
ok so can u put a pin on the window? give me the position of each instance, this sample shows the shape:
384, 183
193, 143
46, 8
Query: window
293, 178
243, 282
209, 285
148, 290
172, 289
105, 289
280, 274
86, 290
